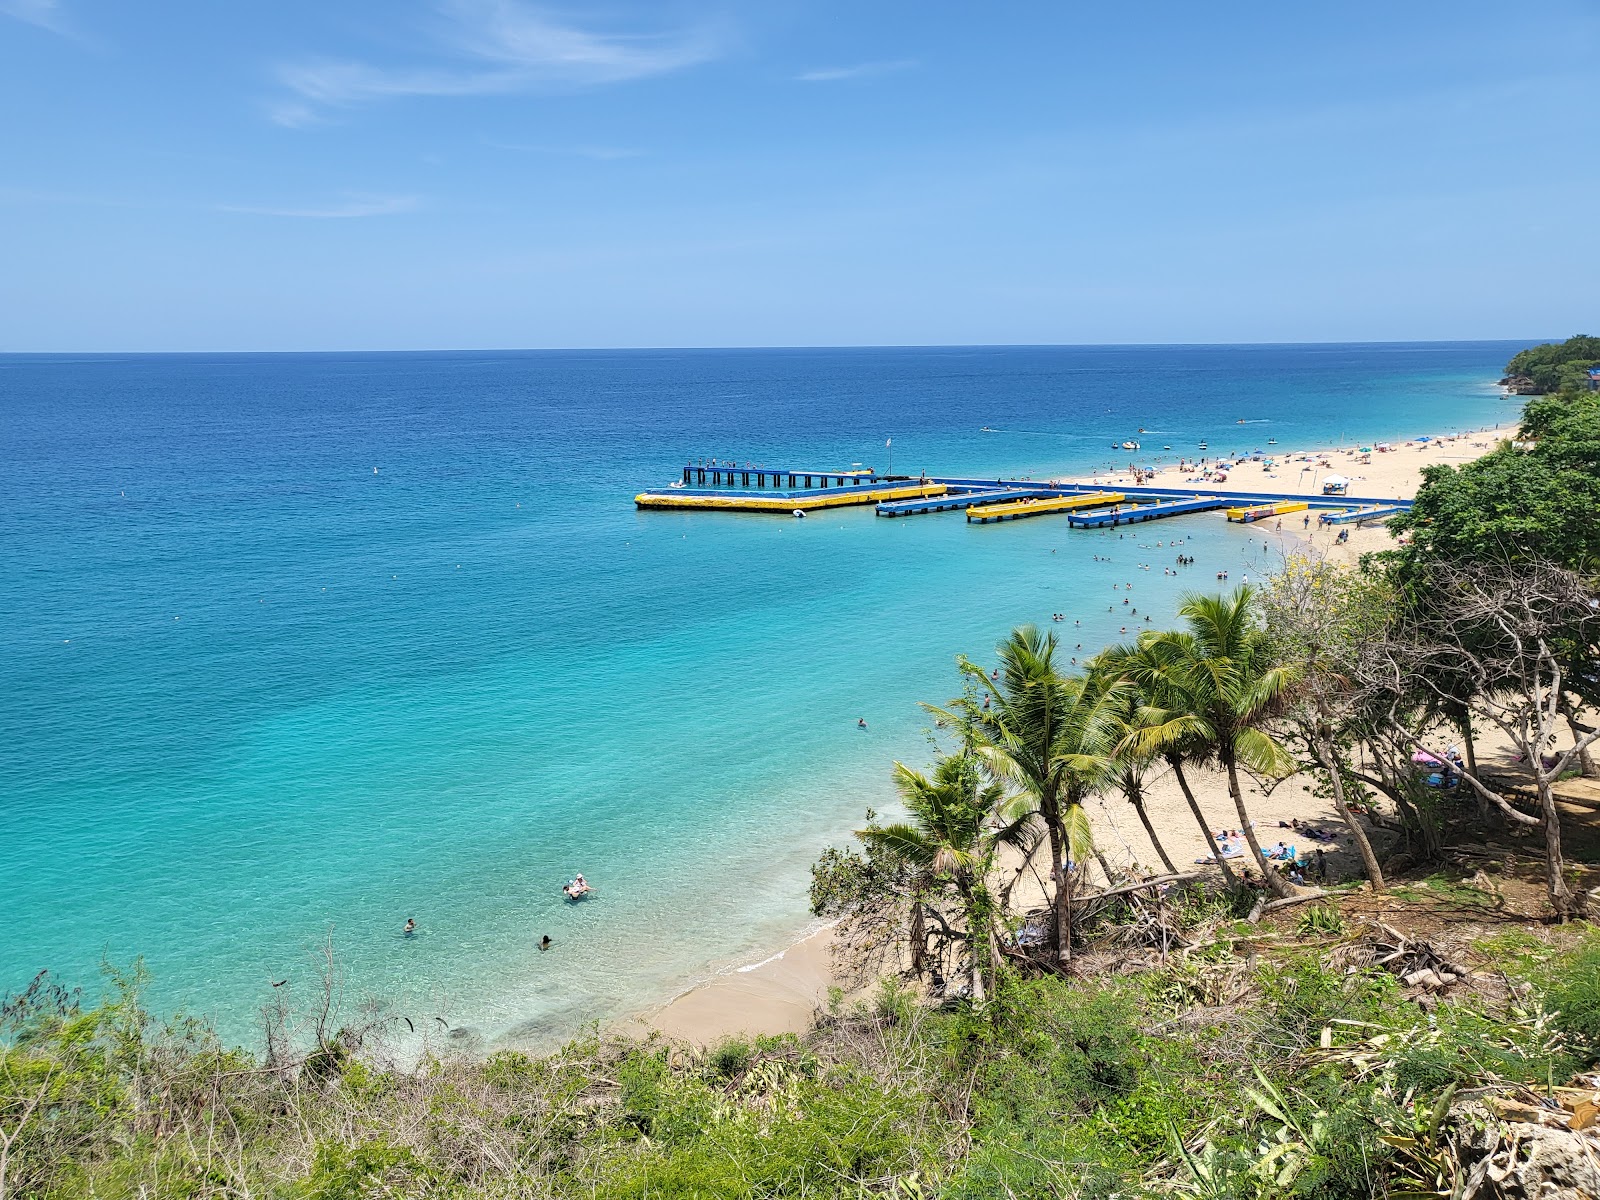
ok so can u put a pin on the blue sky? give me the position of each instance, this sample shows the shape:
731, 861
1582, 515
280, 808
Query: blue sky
281, 174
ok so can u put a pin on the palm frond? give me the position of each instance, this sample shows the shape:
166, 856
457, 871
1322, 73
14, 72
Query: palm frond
902, 841
1260, 753
1080, 836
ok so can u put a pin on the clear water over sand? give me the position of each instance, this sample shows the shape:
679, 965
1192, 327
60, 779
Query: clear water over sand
255, 689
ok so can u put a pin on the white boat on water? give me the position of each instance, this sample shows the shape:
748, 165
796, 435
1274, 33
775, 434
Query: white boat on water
1130, 445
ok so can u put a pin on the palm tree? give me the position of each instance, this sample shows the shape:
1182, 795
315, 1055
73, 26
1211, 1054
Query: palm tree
1051, 736
948, 837
1220, 685
1162, 726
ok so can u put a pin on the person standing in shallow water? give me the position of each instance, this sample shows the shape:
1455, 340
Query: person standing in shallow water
411, 926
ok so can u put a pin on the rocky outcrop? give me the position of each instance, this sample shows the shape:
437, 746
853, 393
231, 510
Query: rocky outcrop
1511, 1149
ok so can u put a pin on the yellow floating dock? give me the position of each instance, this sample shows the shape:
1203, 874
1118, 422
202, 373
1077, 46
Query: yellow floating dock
1012, 510
786, 504
1259, 512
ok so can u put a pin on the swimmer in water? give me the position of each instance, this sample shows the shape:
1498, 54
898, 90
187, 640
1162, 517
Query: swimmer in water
861, 723
544, 942
411, 927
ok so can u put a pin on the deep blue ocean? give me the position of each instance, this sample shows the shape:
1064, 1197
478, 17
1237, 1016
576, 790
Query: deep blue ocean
293, 643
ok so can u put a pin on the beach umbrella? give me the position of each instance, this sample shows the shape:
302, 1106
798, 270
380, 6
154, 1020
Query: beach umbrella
1365, 450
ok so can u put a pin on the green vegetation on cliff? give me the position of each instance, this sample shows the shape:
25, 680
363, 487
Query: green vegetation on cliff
1235, 1069
1557, 366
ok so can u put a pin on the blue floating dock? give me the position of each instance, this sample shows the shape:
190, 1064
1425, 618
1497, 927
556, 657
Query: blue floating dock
713, 484
1360, 516
1132, 514
964, 499
1247, 498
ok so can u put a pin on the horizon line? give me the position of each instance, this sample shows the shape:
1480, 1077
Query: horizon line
793, 346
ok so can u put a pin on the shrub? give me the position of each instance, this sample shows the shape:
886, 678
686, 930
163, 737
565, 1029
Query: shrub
1573, 992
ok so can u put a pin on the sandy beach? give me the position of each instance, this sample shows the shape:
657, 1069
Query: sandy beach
782, 993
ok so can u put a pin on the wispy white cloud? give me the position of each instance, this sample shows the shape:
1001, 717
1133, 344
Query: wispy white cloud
354, 205
46, 14
858, 71
492, 47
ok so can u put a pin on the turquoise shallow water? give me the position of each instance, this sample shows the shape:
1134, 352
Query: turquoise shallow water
256, 690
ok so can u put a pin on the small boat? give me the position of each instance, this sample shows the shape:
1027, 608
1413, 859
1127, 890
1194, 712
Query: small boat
801, 513
1130, 445
986, 429
1202, 445
1272, 441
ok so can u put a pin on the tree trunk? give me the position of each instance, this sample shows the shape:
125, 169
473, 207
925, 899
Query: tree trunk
1561, 897
1585, 759
974, 963
1485, 813
1063, 898
994, 955
1105, 867
1200, 819
1276, 883
1064, 911
1136, 798
919, 939
1328, 757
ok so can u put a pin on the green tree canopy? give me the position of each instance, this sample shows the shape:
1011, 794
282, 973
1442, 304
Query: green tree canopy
1508, 506
1557, 366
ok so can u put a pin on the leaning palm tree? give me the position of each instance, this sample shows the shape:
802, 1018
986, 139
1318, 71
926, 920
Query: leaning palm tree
1220, 685
948, 836
1051, 737
1161, 726
1130, 761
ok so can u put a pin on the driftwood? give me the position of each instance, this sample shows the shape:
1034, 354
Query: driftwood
1264, 906
1153, 882
1419, 963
